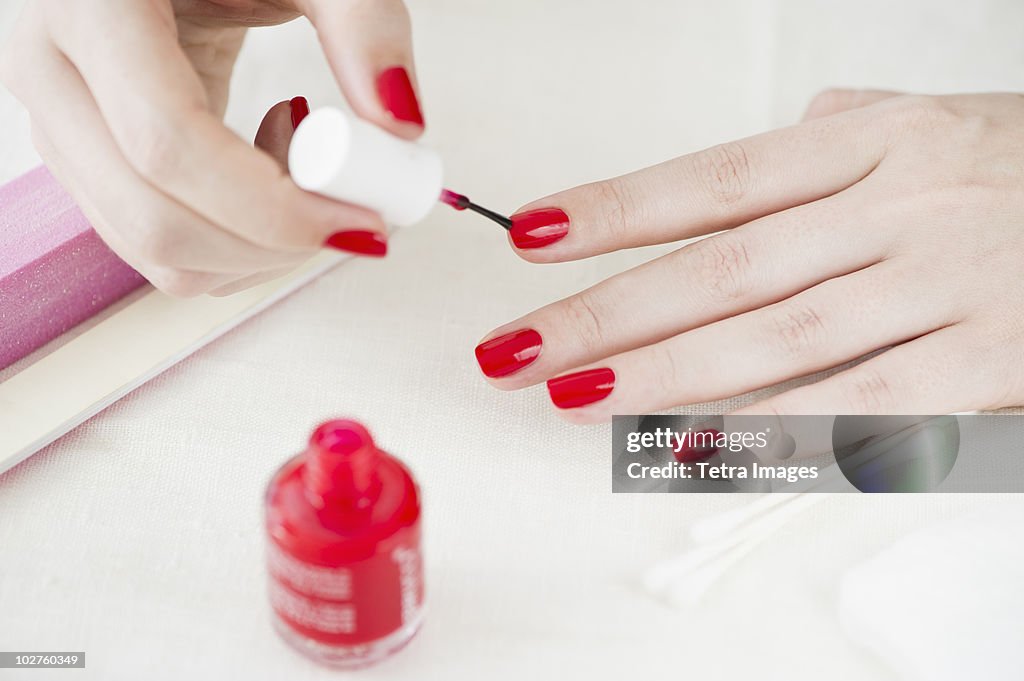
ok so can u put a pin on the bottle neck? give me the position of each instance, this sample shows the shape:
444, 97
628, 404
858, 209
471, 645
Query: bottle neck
341, 464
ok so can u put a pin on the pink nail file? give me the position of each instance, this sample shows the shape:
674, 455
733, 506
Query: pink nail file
55, 271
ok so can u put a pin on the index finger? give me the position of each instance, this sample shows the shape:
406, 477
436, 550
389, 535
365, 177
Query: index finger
156, 108
368, 44
707, 191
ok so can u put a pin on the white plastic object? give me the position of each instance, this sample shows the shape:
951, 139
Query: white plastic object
338, 155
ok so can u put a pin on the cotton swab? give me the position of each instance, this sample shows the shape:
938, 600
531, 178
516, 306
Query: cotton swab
685, 579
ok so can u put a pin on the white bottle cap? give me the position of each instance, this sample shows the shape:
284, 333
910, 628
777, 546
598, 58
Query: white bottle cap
344, 157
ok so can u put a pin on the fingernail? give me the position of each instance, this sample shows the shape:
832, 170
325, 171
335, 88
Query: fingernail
398, 97
581, 388
698, 446
508, 354
300, 109
539, 228
362, 242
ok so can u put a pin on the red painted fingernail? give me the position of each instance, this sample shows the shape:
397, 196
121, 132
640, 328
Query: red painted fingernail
508, 354
698, 446
581, 388
363, 242
539, 228
398, 97
300, 109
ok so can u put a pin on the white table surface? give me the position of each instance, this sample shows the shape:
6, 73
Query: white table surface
137, 537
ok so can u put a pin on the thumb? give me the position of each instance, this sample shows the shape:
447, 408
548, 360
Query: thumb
368, 44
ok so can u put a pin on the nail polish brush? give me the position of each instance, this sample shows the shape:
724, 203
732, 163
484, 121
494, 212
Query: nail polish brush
348, 159
461, 202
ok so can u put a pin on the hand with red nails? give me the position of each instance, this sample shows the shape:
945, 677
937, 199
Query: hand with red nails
883, 226
126, 100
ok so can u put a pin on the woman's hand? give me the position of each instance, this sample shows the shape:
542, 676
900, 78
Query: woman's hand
881, 221
126, 99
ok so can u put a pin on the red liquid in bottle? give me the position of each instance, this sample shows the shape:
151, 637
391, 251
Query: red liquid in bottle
343, 549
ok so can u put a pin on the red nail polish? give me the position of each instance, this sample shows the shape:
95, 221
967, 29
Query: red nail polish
508, 354
360, 241
581, 388
698, 448
343, 549
300, 109
398, 97
539, 228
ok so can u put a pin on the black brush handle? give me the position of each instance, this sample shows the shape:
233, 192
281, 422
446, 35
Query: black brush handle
490, 215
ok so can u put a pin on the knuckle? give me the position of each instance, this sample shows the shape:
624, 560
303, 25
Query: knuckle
829, 99
868, 392
920, 111
584, 316
996, 381
42, 145
723, 171
283, 211
797, 330
1010, 392
669, 373
619, 208
38, 138
161, 244
995, 394
1005, 393
154, 149
177, 283
724, 267
775, 407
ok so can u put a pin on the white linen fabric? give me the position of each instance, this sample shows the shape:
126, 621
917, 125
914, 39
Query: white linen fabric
137, 537
944, 603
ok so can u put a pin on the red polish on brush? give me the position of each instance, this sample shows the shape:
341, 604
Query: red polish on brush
343, 549
461, 202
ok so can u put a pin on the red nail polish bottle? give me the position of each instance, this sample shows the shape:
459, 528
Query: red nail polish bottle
343, 549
